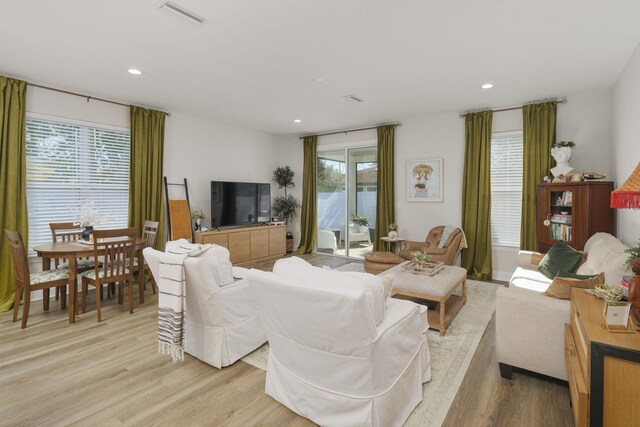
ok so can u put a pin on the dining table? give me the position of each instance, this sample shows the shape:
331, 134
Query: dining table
72, 251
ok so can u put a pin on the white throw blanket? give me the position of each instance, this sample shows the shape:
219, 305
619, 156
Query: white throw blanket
171, 297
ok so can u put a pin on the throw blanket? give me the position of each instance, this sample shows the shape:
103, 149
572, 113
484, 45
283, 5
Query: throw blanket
171, 297
448, 229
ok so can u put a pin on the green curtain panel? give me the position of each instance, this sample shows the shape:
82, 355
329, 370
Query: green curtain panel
476, 195
309, 211
539, 133
13, 178
385, 199
145, 175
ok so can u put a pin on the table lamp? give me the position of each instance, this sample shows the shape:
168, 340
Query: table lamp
627, 196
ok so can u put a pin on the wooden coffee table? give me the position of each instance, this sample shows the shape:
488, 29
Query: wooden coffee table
438, 289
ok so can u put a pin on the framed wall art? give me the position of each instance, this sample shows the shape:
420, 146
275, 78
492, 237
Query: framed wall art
424, 180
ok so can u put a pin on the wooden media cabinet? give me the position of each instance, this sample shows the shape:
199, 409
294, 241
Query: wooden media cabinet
248, 243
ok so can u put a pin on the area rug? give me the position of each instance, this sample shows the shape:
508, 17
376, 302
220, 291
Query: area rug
450, 355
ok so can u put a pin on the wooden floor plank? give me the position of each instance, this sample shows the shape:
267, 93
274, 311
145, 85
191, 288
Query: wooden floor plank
110, 373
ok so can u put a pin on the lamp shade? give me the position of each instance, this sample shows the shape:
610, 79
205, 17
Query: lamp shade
627, 196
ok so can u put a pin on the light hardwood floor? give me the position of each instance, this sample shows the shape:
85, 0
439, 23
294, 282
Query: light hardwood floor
54, 373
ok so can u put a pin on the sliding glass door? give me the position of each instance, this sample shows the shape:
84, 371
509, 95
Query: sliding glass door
346, 200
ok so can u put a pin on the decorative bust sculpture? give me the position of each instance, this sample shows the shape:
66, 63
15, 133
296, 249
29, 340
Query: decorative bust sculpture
561, 152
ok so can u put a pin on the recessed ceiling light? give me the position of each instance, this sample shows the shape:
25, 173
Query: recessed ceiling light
318, 79
297, 121
486, 86
134, 71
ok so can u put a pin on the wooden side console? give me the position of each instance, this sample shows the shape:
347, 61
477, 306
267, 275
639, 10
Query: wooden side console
248, 243
603, 367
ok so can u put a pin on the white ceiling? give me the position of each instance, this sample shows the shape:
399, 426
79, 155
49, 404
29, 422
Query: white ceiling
252, 63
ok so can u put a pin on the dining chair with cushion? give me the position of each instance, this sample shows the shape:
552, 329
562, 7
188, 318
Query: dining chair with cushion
28, 282
68, 232
150, 234
118, 249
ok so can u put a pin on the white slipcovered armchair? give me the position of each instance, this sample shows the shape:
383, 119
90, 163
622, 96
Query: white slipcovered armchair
327, 241
359, 233
341, 354
222, 323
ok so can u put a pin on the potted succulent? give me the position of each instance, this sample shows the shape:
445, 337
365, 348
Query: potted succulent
284, 207
420, 259
197, 216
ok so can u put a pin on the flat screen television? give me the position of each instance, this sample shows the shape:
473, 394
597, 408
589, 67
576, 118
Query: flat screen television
239, 203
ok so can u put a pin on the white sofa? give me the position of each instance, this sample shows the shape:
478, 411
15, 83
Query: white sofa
340, 353
530, 325
222, 323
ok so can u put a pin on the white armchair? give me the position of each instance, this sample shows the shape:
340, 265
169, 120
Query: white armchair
222, 323
327, 241
340, 353
359, 233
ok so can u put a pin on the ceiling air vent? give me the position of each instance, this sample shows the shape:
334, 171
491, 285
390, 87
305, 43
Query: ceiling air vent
182, 12
352, 97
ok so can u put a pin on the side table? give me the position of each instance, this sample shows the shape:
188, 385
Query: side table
395, 244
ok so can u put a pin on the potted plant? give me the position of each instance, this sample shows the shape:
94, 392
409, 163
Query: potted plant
360, 220
197, 216
420, 259
284, 207
633, 263
561, 152
87, 216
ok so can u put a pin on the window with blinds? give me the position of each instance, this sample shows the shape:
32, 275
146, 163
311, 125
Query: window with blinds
506, 188
71, 165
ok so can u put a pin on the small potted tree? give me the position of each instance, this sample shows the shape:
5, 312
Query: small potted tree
284, 207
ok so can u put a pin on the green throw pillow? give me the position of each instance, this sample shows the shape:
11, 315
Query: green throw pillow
569, 275
559, 258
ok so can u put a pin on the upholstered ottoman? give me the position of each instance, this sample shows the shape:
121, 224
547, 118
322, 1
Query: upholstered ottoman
438, 288
377, 261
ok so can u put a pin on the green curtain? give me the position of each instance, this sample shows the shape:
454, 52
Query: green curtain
13, 178
476, 195
385, 198
539, 133
145, 174
309, 211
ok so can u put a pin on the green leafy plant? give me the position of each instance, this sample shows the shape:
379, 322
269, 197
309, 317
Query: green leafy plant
393, 227
284, 207
563, 144
197, 214
634, 254
283, 175
360, 220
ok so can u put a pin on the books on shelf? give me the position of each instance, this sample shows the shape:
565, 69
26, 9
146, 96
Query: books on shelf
561, 232
565, 200
561, 219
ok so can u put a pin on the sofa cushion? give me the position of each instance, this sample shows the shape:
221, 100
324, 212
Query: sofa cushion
559, 258
560, 287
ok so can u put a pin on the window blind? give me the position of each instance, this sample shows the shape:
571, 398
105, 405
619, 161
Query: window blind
506, 188
70, 165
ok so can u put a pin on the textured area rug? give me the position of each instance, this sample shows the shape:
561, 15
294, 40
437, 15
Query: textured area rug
450, 355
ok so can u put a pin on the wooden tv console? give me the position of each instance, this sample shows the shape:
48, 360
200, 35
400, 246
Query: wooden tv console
248, 243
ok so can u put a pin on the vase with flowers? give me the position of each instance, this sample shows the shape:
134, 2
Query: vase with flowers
393, 231
197, 216
87, 216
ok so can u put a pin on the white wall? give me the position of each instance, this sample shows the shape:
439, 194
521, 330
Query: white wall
625, 147
203, 151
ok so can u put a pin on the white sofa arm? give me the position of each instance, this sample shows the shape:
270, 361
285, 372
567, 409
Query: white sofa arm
529, 259
530, 331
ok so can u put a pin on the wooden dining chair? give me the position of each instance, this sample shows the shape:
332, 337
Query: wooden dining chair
68, 232
117, 247
27, 282
150, 234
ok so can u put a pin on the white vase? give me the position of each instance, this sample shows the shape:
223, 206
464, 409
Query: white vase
393, 235
561, 155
